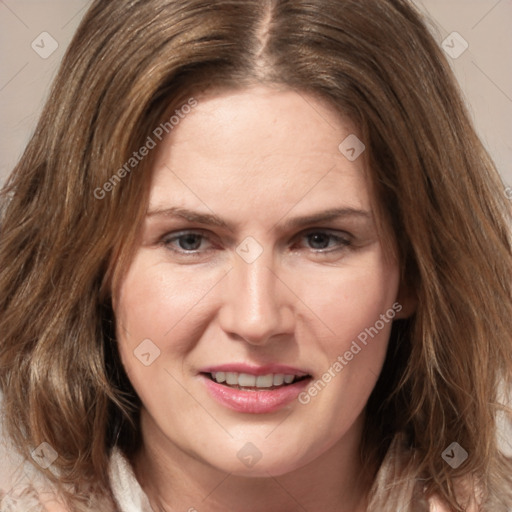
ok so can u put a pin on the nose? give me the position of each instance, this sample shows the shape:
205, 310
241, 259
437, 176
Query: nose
256, 306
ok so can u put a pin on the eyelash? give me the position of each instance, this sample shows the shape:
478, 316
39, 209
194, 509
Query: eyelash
167, 240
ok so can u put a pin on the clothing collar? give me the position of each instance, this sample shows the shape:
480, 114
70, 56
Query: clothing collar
127, 492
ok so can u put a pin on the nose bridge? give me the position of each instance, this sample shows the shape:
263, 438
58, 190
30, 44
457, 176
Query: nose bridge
256, 308
258, 284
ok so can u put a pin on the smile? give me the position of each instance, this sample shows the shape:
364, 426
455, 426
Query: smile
250, 382
254, 390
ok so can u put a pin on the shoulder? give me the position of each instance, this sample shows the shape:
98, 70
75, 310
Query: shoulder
27, 499
397, 483
436, 505
468, 491
25, 489
28, 490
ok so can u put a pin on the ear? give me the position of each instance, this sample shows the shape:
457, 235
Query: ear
408, 299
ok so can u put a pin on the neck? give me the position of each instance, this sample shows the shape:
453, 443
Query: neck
176, 480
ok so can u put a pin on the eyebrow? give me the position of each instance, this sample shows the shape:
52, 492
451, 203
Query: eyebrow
209, 219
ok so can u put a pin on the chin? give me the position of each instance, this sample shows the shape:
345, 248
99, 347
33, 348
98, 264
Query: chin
247, 460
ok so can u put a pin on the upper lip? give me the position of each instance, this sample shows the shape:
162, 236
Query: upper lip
255, 370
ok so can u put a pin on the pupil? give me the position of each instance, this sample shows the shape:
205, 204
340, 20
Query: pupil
187, 241
317, 239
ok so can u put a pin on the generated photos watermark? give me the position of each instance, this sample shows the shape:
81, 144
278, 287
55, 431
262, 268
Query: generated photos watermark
151, 142
343, 360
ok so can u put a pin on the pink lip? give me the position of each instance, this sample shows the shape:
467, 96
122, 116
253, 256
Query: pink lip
254, 402
255, 370
251, 401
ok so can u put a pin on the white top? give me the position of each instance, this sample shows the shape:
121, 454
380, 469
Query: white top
29, 490
126, 489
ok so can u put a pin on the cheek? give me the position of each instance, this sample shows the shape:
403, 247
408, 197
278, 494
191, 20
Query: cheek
351, 300
150, 307
153, 302
356, 306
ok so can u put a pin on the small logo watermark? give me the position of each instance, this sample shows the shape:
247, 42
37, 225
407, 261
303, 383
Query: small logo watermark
454, 45
351, 147
455, 455
45, 455
249, 454
44, 45
249, 249
147, 352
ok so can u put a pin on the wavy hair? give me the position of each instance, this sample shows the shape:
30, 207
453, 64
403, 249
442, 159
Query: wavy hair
66, 235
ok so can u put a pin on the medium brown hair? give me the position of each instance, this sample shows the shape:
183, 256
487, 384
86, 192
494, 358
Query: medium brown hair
63, 249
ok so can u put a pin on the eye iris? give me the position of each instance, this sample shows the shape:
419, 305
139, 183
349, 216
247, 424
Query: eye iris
319, 240
190, 242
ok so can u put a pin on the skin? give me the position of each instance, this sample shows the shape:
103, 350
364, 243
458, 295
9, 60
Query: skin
257, 158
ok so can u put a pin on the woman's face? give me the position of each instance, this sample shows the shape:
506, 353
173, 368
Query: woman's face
259, 264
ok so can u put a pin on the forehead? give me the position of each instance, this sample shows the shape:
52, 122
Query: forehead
261, 147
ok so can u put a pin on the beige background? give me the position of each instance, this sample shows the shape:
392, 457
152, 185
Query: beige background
483, 70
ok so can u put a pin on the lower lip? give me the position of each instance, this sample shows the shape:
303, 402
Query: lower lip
254, 402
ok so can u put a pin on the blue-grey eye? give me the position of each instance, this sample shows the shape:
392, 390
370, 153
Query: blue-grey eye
321, 240
189, 241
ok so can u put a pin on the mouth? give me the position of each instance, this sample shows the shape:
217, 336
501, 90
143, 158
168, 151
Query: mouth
249, 382
254, 390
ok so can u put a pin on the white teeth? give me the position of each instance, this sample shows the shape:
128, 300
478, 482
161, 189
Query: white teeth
278, 379
219, 376
231, 378
247, 380
265, 381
